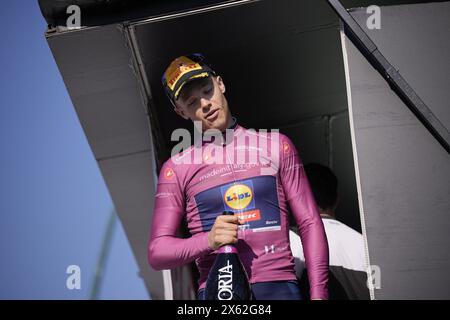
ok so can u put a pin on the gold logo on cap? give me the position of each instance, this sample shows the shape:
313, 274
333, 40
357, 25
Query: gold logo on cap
178, 68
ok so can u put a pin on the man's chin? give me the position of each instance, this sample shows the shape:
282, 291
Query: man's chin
218, 124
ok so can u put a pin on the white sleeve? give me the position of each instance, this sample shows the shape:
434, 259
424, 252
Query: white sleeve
297, 252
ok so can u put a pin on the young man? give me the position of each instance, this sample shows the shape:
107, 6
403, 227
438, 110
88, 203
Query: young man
258, 191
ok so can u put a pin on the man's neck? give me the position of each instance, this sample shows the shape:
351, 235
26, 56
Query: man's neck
232, 123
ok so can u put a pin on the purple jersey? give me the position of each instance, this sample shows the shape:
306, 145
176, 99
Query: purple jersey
263, 190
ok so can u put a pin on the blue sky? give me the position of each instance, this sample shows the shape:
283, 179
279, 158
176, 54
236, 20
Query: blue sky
54, 203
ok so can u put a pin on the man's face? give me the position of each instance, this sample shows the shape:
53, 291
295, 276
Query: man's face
203, 100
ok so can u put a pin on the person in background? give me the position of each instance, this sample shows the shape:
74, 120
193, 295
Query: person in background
347, 277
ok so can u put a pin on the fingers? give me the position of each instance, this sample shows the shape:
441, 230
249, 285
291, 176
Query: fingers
216, 239
224, 236
227, 223
226, 232
226, 239
228, 219
222, 220
228, 226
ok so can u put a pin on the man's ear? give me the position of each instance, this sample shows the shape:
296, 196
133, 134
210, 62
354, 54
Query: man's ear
220, 83
180, 112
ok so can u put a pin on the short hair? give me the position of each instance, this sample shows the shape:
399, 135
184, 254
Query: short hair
323, 184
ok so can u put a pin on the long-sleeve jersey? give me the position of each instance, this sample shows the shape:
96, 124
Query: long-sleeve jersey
260, 177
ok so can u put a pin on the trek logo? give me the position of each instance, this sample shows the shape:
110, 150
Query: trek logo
225, 285
252, 215
238, 196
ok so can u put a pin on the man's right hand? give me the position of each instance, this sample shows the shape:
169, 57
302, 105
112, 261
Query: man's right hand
224, 231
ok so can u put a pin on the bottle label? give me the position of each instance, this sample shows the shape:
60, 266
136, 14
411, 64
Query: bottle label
227, 249
225, 283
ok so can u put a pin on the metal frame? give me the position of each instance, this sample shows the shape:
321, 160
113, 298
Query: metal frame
399, 85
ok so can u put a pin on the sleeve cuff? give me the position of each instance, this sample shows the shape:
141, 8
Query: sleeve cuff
318, 293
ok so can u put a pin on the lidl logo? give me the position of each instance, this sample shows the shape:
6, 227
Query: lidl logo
238, 196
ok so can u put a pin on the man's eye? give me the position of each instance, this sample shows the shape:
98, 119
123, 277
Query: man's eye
191, 102
208, 90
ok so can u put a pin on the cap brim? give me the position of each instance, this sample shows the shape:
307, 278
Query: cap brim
204, 74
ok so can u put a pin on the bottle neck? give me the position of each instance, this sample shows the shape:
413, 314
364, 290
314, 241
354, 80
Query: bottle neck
228, 248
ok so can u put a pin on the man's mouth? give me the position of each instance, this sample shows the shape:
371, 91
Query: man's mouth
212, 115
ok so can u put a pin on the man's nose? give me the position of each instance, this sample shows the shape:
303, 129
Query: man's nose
205, 103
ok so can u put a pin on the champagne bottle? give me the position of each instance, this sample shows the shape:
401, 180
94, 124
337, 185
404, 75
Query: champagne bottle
227, 278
